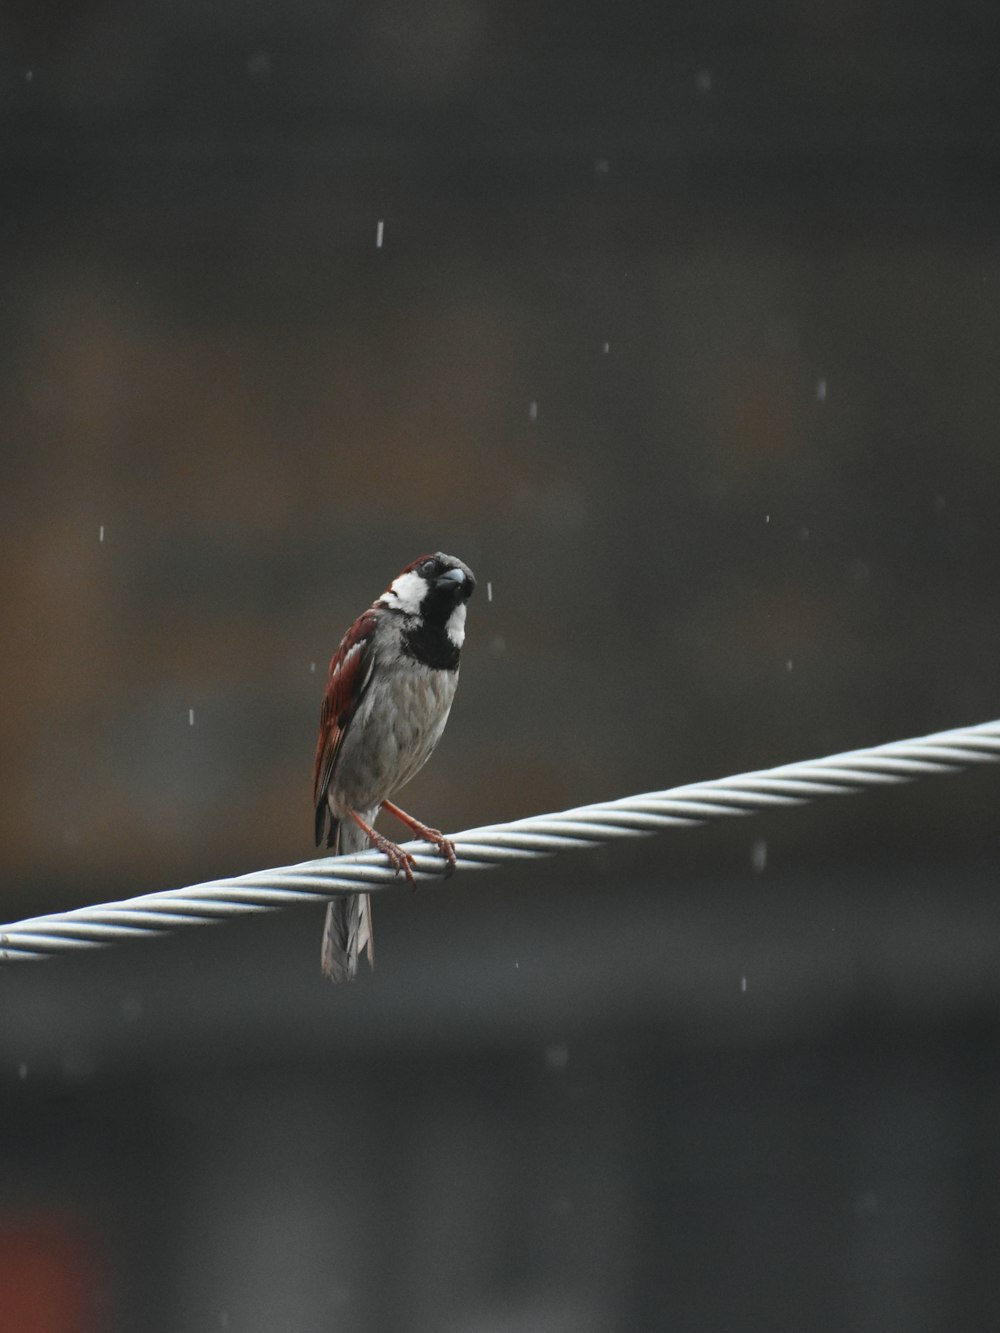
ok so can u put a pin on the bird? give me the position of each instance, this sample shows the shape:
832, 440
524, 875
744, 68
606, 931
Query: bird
389, 691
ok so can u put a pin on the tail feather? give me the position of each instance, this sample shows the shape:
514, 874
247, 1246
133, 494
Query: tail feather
348, 931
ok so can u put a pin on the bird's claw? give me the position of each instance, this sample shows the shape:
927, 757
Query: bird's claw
398, 859
444, 845
431, 835
448, 852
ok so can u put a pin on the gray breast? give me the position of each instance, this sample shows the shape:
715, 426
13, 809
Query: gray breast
393, 733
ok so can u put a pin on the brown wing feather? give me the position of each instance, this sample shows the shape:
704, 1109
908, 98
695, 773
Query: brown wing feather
348, 678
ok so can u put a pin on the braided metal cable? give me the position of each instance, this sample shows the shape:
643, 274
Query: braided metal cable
538, 835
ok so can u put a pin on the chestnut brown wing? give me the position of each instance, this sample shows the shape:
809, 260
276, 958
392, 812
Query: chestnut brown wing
348, 678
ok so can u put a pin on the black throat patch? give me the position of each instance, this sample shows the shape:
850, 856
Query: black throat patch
431, 646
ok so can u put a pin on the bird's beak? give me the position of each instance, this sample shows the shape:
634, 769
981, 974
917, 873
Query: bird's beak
456, 579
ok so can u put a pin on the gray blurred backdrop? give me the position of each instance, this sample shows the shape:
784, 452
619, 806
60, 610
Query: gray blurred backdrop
684, 332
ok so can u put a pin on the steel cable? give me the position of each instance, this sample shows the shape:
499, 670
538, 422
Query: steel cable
696, 803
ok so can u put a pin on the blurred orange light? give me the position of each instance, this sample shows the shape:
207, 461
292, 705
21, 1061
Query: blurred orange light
49, 1275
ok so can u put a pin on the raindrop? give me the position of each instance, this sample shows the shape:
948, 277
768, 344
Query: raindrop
489, 591
22, 1071
190, 717
758, 856
743, 985
821, 391
703, 81
606, 348
532, 411
100, 533
312, 668
788, 665
602, 166
379, 233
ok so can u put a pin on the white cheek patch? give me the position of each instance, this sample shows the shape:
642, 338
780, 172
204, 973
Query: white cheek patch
407, 592
455, 626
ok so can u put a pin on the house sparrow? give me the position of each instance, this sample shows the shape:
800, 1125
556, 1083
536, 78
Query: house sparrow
388, 694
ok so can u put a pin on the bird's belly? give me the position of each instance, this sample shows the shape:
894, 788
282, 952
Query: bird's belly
391, 736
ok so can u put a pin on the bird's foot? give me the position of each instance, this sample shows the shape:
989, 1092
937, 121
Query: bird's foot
432, 835
444, 845
398, 859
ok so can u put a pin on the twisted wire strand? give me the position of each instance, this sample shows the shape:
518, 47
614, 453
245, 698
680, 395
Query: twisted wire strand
155, 914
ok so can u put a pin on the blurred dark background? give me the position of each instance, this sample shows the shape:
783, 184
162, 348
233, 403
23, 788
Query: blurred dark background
684, 332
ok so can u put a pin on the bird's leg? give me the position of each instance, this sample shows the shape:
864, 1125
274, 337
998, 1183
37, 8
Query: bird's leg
446, 846
399, 859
